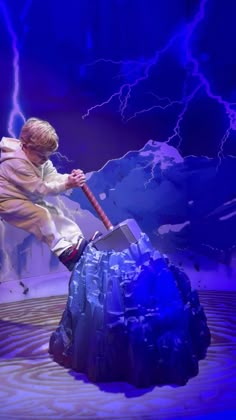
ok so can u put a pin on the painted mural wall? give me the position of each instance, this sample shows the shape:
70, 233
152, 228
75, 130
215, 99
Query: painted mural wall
142, 95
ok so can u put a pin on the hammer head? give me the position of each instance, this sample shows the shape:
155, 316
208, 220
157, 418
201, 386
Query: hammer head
119, 237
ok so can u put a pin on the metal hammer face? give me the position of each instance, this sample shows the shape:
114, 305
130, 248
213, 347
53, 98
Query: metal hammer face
119, 237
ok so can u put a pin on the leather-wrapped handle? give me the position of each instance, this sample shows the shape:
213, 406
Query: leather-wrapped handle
97, 207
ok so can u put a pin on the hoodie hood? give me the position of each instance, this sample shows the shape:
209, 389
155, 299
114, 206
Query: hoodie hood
8, 147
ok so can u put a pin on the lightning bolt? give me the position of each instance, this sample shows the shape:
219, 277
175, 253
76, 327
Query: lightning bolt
197, 73
60, 157
125, 90
193, 74
16, 115
185, 103
196, 68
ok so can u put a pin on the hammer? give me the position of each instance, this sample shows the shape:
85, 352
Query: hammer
118, 237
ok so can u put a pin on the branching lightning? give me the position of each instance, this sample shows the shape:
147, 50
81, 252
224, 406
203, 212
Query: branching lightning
16, 112
200, 16
126, 90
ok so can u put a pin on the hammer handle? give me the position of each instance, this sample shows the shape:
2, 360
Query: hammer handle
97, 207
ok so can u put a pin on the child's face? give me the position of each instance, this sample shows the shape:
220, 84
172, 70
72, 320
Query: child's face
36, 157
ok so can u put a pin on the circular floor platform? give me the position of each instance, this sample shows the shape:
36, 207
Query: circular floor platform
32, 386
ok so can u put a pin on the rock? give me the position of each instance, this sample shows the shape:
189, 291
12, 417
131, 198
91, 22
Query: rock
131, 316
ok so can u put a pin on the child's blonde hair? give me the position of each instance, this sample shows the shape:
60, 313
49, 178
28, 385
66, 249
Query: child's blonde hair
39, 135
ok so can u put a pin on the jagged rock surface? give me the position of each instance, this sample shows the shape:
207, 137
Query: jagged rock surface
131, 316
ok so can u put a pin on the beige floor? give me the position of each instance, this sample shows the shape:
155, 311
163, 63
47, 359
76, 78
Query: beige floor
32, 386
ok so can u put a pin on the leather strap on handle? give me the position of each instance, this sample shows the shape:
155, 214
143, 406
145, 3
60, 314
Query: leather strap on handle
97, 207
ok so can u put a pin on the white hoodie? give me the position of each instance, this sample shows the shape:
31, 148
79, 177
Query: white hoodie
20, 178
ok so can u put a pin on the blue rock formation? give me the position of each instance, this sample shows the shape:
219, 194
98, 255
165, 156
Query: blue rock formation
131, 316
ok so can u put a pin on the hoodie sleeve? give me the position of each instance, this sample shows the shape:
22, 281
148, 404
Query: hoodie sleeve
22, 174
50, 173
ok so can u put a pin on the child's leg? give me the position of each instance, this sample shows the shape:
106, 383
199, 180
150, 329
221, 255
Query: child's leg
48, 224
66, 229
39, 220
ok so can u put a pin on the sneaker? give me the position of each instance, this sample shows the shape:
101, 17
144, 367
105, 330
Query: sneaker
72, 254
96, 235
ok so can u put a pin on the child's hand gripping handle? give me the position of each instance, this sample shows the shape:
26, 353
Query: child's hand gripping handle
97, 207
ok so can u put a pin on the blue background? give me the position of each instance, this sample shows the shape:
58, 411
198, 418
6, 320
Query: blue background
171, 61
113, 75
142, 94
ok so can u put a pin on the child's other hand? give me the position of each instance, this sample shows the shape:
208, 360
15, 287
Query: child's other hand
76, 179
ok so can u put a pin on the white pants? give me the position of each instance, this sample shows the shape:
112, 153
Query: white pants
45, 221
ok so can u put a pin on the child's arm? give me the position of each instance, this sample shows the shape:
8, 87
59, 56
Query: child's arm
50, 173
22, 174
75, 179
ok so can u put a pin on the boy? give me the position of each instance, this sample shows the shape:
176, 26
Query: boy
27, 176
